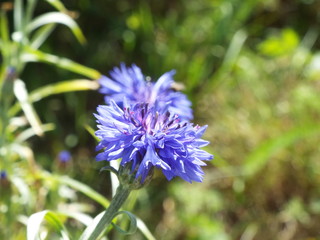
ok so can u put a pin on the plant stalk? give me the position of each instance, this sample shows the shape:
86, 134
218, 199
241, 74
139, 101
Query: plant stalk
117, 201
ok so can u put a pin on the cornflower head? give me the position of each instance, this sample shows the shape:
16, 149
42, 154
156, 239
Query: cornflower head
3, 174
145, 136
64, 156
4, 181
130, 83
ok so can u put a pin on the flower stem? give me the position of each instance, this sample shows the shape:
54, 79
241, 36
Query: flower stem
116, 203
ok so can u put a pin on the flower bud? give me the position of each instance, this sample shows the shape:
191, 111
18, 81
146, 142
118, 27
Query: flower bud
128, 179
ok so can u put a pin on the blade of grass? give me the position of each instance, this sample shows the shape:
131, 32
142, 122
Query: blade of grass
92, 132
23, 189
57, 17
63, 87
259, 158
29, 10
17, 15
5, 48
33, 55
57, 5
41, 35
144, 229
35, 221
229, 60
4, 34
56, 88
86, 190
21, 94
26, 134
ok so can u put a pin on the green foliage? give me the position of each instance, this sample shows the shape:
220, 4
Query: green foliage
284, 44
252, 71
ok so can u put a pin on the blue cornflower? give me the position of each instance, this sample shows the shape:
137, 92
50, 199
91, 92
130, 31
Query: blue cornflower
146, 136
64, 156
3, 174
130, 83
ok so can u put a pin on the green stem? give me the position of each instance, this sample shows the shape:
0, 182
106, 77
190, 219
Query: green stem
116, 203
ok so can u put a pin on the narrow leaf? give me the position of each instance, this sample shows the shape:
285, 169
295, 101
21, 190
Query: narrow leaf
91, 227
92, 132
26, 134
35, 221
17, 15
23, 188
4, 42
144, 230
132, 226
33, 55
41, 35
21, 94
29, 10
259, 158
109, 168
57, 17
57, 5
57, 88
63, 87
88, 191
4, 31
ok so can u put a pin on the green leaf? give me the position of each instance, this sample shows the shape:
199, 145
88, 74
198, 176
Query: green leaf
133, 223
57, 17
91, 227
78, 186
29, 10
57, 5
229, 60
285, 43
85, 219
23, 189
57, 88
17, 15
33, 55
35, 221
4, 28
5, 46
92, 132
41, 35
233, 51
26, 134
63, 87
259, 158
144, 229
21, 94
109, 168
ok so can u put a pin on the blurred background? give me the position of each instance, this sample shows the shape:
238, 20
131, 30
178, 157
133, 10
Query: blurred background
252, 71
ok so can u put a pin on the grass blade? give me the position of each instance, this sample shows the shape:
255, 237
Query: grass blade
57, 17
35, 221
26, 134
259, 158
57, 5
33, 55
29, 10
86, 190
144, 229
4, 34
63, 87
57, 88
41, 35
21, 94
17, 15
